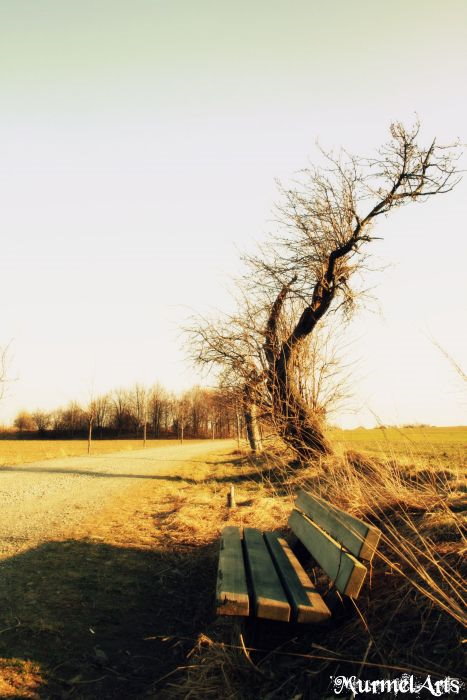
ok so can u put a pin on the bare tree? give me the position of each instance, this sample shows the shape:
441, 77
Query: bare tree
236, 345
308, 269
183, 407
24, 421
72, 420
233, 344
121, 410
157, 408
91, 419
271, 350
322, 374
42, 420
139, 408
102, 412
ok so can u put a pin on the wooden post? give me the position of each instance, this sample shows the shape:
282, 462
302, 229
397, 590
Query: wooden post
89, 435
231, 497
145, 421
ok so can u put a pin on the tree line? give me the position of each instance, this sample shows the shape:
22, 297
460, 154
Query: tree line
139, 412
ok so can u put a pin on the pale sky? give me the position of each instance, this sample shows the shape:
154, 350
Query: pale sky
140, 141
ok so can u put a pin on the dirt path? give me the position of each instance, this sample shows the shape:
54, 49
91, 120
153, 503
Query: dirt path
47, 500
99, 596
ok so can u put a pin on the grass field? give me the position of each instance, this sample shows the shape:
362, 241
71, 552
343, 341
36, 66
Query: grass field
443, 447
24, 451
138, 582
439, 447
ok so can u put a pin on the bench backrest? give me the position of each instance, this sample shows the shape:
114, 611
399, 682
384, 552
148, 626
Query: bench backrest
336, 540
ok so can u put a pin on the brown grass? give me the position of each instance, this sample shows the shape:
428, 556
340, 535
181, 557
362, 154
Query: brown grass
141, 576
24, 451
19, 678
410, 616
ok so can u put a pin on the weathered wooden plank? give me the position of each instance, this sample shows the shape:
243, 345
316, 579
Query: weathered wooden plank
358, 537
270, 600
232, 591
307, 604
343, 568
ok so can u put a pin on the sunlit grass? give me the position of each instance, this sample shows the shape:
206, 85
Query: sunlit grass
416, 447
19, 679
162, 540
409, 483
23, 451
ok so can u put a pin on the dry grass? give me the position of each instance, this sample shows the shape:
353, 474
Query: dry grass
19, 678
142, 576
410, 616
24, 451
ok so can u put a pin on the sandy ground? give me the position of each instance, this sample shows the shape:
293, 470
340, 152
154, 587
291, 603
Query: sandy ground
47, 500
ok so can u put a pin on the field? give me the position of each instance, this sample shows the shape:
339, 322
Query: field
441, 447
24, 451
122, 607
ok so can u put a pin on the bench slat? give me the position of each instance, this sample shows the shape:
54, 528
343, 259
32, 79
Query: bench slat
358, 537
307, 604
270, 600
343, 568
232, 590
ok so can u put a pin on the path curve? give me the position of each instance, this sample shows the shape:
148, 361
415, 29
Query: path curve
46, 499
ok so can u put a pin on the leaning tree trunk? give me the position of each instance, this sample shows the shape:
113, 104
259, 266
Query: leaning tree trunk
298, 425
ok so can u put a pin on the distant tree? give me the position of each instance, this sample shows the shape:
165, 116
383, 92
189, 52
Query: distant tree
139, 408
42, 419
183, 407
72, 419
24, 422
102, 412
157, 406
122, 418
90, 413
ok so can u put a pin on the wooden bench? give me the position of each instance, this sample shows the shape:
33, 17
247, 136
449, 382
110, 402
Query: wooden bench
260, 576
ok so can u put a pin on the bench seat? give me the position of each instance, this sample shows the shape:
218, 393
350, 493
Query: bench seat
260, 576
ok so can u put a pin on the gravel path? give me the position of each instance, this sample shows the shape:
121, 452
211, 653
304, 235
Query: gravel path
45, 500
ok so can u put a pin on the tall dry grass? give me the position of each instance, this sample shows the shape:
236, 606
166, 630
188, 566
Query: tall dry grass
411, 614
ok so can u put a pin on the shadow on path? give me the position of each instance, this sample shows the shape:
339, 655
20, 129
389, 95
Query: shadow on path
103, 621
90, 472
256, 474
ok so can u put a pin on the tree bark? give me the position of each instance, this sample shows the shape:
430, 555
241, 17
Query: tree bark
252, 427
299, 427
